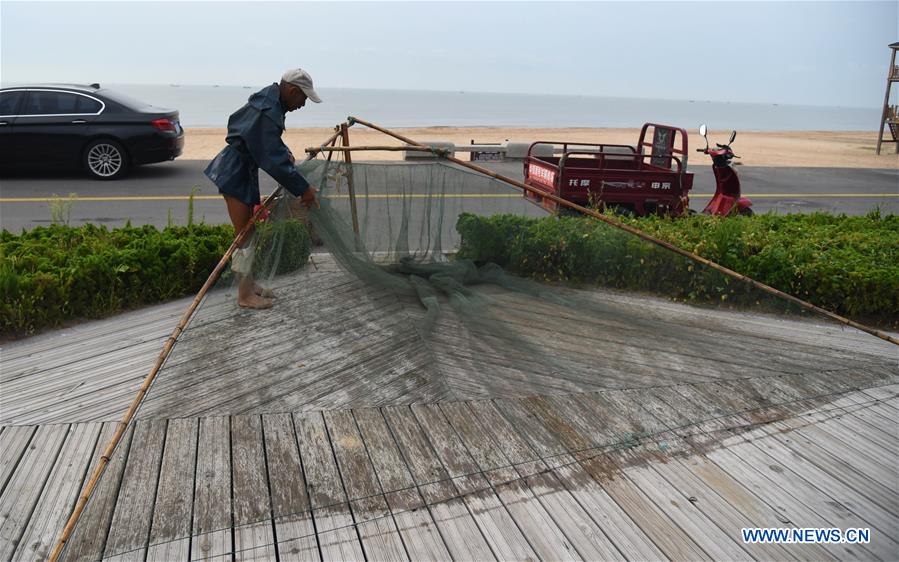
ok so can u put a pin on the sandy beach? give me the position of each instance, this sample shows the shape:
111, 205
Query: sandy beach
827, 149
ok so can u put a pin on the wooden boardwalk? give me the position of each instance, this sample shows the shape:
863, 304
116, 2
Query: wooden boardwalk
332, 343
330, 428
616, 474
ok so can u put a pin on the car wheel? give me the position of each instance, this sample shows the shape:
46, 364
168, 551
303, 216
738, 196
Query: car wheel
105, 159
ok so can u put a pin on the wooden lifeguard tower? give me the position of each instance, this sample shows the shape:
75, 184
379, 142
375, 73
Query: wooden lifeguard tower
890, 115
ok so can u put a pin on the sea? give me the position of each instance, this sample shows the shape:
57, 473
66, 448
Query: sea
210, 106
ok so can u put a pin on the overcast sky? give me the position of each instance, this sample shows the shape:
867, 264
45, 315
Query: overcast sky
809, 53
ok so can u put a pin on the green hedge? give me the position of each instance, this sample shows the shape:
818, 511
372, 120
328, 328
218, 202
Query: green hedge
281, 247
55, 274
846, 264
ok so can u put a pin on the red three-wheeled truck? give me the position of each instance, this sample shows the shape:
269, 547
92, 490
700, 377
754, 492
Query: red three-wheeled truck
650, 177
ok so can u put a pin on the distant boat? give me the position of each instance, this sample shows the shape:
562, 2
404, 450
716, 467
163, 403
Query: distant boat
215, 86
175, 85
248, 87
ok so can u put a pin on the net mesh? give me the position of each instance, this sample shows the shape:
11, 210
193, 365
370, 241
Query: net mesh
391, 313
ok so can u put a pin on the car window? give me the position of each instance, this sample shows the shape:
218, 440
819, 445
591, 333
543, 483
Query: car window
88, 105
9, 101
58, 103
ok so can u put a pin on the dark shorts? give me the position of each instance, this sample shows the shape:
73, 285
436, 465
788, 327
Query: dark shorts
235, 175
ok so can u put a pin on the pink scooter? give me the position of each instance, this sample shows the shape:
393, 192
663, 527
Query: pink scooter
727, 198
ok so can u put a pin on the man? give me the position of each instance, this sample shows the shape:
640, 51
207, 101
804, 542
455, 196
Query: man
254, 141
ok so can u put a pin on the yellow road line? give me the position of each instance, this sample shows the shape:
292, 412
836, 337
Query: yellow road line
392, 196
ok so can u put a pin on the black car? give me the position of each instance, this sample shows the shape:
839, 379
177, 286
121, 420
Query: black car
97, 129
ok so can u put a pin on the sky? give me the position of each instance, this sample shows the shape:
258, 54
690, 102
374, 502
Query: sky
806, 53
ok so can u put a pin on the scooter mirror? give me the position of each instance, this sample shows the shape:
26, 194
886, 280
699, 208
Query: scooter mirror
733, 135
703, 130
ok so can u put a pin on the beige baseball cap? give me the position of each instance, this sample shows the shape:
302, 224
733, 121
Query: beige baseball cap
300, 78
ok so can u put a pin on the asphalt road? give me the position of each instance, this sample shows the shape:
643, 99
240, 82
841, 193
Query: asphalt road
154, 194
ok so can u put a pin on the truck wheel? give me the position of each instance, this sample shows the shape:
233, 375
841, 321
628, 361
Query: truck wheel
105, 159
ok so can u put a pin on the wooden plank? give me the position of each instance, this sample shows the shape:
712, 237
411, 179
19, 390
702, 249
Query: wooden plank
699, 473
129, 531
212, 512
59, 496
792, 478
824, 429
171, 529
374, 520
462, 534
13, 444
809, 551
72, 338
290, 500
714, 524
287, 369
788, 505
666, 535
841, 471
712, 539
26, 484
715, 499
564, 418
254, 537
42, 396
795, 500
820, 469
703, 323
515, 511
885, 394
835, 431
854, 425
338, 538
528, 481
89, 536
624, 533
420, 533
868, 416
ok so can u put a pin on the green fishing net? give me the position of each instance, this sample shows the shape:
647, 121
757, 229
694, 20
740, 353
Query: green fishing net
409, 297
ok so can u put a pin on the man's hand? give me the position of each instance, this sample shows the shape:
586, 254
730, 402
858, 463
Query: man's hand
309, 198
292, 159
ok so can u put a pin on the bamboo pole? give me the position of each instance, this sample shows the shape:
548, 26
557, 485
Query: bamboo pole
599, 216
317, 149
345, 134
160, 360
331, 144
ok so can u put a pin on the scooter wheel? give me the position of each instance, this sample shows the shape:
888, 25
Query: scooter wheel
746, 212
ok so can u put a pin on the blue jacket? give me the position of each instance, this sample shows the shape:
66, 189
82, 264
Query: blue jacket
254, 141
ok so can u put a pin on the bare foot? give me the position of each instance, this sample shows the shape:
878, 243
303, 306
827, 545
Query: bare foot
255, 302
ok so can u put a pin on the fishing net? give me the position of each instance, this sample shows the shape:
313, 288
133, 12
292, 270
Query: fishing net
404, 302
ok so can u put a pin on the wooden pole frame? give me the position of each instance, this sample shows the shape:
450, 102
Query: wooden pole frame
346, 149
884, 116
160, 360
345, 135
333, 141
649, 238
